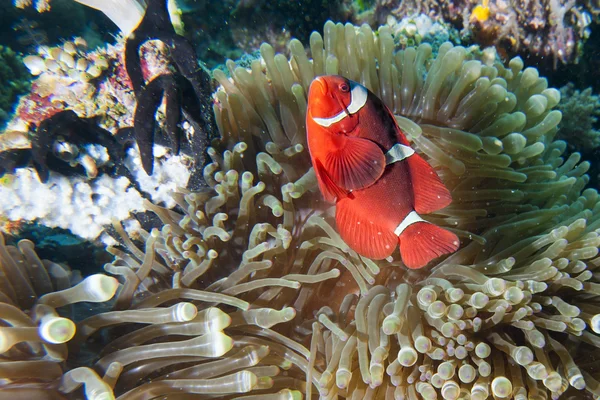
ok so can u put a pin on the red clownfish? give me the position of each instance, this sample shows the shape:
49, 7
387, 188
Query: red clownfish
365, 165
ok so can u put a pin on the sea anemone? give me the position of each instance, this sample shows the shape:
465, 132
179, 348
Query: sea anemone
33, 335
247, 287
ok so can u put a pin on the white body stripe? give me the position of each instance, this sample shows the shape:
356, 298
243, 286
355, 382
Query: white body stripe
358, 98
410, 219
398, 153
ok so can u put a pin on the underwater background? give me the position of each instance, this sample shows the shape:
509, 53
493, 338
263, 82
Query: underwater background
162, 234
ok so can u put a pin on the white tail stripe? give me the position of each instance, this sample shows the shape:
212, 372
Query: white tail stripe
398, 153
358, 98
410, 219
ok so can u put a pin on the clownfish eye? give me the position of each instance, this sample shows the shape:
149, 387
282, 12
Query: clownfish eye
344, 87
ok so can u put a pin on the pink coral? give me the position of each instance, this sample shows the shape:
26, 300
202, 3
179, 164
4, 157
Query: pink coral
34, 108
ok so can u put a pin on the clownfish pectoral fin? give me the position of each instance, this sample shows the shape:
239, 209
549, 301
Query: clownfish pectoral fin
330, 190
421, 242
356, 164
430, 194
363, 236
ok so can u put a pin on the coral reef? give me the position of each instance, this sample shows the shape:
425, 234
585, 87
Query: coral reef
578, 128
580, 109
15, 82
248, 277
421, 28
91, 88
553, 30
186, 91
70, 78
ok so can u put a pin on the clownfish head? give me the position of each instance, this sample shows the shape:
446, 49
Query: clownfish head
334, 101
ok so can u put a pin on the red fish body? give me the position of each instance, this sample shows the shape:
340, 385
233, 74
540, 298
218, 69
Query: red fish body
365, 165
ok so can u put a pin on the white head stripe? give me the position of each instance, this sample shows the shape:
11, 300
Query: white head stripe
398, 153
410, 219
358, 98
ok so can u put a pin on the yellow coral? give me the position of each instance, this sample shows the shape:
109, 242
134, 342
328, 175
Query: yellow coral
7, 179
481, 12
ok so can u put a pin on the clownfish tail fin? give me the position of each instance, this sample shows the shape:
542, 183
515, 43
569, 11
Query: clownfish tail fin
421, 242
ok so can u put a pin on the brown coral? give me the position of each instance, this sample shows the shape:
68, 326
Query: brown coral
547, 30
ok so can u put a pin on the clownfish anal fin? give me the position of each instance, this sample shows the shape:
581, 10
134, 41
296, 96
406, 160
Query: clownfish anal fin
430, 194
356, 164
422, 242
330, 190
363, 236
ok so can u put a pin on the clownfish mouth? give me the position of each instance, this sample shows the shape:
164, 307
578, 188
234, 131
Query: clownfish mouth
319, 85
358, 98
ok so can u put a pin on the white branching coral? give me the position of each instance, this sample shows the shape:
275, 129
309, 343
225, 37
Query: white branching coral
86, 207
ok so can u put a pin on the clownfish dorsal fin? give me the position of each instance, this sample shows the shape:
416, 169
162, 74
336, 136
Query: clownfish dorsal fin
356, 163
399, 134
430, 194
329, 189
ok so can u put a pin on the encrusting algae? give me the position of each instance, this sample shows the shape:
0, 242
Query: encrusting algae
248, 288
